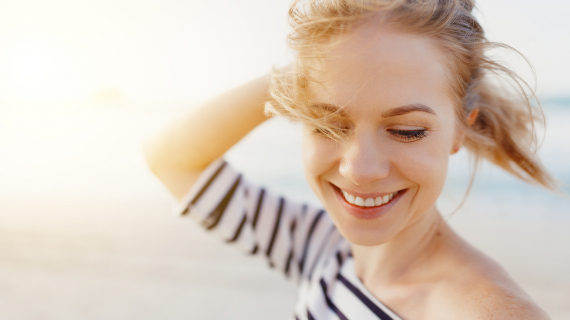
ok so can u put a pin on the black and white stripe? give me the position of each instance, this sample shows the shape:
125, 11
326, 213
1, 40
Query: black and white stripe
299, 240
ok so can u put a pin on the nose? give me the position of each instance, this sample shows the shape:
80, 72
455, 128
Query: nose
364, 161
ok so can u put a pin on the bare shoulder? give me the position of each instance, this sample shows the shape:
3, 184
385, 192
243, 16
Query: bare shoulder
483, 289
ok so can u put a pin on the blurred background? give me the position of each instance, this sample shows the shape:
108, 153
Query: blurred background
86, 232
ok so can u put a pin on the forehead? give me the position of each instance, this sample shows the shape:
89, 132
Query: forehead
381, 66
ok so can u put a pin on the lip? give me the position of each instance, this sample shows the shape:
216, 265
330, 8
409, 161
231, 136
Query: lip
367, 213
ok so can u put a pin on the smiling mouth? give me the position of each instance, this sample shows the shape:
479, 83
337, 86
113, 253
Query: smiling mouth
368, 202
371, 202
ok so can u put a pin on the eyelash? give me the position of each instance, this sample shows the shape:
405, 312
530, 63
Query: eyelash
402, 135
408, 135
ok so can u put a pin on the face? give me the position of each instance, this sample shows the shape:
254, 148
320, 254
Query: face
398, 127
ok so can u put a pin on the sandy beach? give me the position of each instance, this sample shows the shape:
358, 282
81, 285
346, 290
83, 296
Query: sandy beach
132, 260
93, 236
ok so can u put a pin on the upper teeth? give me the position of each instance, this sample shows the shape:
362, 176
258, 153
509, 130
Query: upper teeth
368, 202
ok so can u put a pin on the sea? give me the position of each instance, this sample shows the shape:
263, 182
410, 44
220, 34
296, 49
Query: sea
96, 153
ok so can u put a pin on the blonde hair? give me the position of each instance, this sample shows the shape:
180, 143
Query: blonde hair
504, 129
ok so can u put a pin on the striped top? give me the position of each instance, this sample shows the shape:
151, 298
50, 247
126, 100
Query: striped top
299, 240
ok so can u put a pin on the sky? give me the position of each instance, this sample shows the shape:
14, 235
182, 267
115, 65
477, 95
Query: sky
161, 54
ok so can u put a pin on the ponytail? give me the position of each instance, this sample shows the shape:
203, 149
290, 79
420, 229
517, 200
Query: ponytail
504, 130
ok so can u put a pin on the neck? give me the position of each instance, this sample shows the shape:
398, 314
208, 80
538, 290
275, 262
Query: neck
396, 260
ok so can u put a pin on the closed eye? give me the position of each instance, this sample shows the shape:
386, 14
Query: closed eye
408, 135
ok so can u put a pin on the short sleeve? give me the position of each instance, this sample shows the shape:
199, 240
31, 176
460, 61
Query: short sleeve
291, 236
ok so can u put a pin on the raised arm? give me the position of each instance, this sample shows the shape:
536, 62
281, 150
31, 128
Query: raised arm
179, 153
292, 236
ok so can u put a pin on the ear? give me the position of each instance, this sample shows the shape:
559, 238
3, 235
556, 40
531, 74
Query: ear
458, 142
472, 116
461, 136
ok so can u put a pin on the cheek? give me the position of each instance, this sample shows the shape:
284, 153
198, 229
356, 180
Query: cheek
319, 156
426, 166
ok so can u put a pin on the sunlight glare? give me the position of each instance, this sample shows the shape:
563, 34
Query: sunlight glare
41, 69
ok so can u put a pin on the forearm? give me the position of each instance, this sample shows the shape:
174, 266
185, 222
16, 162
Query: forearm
180, 152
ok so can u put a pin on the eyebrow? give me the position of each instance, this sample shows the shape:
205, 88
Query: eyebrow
386, 114
407, 109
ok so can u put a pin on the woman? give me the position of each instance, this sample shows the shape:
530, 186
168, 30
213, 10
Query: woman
386, 91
